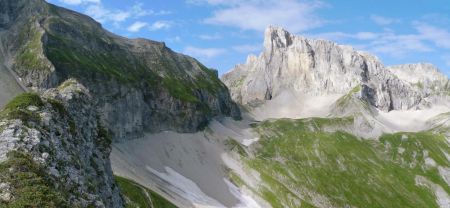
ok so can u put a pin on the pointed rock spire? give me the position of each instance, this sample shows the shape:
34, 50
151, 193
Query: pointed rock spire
277, 37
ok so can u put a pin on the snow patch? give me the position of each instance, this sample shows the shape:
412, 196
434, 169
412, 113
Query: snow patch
445, 174
430, 162
246, 201
442, 198
404, 138
186, 188
248, 142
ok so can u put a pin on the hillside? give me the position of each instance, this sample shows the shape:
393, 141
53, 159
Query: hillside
139, 85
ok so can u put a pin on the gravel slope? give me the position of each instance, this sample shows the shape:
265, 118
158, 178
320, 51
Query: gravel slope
9, 88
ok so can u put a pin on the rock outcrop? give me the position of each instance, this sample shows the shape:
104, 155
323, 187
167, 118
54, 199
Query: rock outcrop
320, 67
54, 151
138, 85
423, 75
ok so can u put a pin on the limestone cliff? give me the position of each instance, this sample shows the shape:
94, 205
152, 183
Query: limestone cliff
54, 151
320, 67
138, 85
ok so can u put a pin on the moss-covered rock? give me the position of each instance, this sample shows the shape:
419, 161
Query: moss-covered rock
54, 151
29, 184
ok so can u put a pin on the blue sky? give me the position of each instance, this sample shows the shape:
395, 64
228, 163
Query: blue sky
221, 33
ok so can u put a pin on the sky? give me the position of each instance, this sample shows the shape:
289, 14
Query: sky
222, 33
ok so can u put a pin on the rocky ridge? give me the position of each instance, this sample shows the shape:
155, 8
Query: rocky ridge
320, 67
54, 151
138, 85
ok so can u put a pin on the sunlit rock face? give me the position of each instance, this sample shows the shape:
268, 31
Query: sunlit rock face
320, 67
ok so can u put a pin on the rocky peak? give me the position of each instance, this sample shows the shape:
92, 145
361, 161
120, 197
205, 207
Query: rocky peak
276, 37
319, 67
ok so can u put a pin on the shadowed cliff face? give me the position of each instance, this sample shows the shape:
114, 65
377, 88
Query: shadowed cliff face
139, 85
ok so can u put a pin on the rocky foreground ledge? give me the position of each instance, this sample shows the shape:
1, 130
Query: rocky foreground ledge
54, 152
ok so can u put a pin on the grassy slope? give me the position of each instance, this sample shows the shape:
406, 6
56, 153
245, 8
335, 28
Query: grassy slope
107, 59
17, 108
103, 57
30, 185
137, 196
296, 158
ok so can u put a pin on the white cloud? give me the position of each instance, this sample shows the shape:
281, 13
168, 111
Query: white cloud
427, 38
210, 37
137, 26
159, 25
103, 14
138, 11
439, 36
247, 48
399, 45
387, 42
78, 2
294, 15
204, 52
366, 36
217, 2
384, 20
341, 35
176, 39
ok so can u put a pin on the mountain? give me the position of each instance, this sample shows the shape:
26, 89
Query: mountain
339, 129
319, 67
138, 85
297, 77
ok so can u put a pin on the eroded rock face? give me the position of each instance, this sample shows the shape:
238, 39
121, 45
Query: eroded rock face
138, 85
65, 147
320, 67
424, 77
